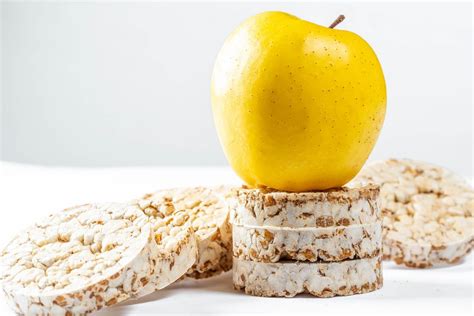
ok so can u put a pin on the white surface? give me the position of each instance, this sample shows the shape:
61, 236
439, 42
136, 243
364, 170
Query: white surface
28, 192
107, 83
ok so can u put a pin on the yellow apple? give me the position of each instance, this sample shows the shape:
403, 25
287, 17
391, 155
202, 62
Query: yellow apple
297, 106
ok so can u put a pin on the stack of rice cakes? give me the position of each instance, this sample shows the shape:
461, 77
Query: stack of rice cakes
323, 243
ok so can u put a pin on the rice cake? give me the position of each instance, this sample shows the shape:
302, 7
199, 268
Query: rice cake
205, 210
272, 244
336, 207
287, 279
428, 212
82, 259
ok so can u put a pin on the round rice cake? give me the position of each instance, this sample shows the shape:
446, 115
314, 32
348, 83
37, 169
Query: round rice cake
84, 258
272, 244
335, 207
321, 279
427, 212
203, 209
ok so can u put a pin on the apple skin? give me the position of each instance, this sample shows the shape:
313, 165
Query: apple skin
297, 106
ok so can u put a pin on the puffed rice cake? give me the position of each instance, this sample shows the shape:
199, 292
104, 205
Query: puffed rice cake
205, 210
272, 244
337, 207
287, 279
428, 212
84, 258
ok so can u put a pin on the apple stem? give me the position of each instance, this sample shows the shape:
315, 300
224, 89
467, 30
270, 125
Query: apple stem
339, 19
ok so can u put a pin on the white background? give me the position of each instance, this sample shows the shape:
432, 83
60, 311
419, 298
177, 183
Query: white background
108, 84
